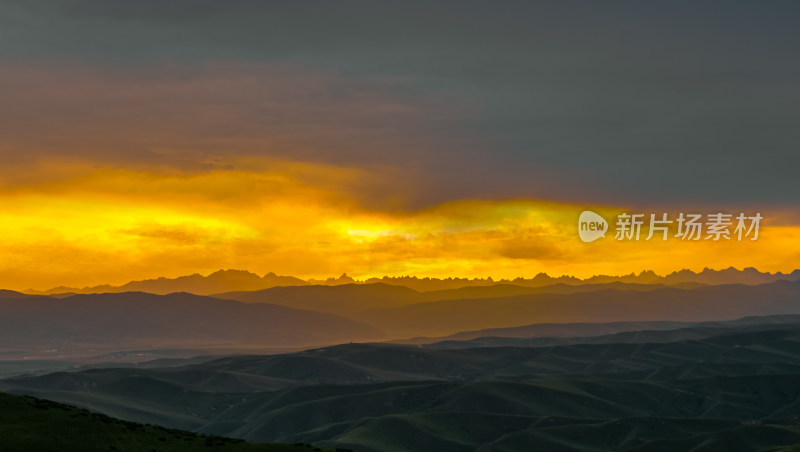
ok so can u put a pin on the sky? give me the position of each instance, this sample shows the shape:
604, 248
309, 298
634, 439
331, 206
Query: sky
151, 138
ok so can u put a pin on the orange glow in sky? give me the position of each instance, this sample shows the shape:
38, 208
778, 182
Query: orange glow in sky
77, 224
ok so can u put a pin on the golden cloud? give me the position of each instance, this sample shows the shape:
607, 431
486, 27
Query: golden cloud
78, 224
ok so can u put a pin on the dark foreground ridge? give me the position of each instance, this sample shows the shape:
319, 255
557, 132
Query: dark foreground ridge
32, 424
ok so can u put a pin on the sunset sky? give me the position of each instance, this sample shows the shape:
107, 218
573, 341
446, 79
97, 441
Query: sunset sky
140, 139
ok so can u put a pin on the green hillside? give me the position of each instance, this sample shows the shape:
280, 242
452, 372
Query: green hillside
31, 424
702, 388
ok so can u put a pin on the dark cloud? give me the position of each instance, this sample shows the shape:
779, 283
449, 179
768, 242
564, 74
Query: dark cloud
616, 102
535, 250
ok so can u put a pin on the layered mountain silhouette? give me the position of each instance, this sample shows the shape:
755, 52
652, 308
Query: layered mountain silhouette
220, 281
241, 280
634, 365
399, 311
13, 294
731, 275
356, 298
347, 299
555, 332
731, 387
82, 324
289, 318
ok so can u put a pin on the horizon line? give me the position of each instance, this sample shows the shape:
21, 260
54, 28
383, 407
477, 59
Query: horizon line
355, 280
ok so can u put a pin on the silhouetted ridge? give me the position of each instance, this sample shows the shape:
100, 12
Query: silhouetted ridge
241, 280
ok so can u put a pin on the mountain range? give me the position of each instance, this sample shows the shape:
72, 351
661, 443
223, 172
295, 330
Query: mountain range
627, 366
82, 325
67, 327
241, 280
400, 311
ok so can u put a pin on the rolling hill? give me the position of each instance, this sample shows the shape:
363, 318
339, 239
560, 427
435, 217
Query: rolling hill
664, 304
219, 281
101, 323
733, 389
356, 299
346, 299
402, 312
583, 333
241, 280
31, 424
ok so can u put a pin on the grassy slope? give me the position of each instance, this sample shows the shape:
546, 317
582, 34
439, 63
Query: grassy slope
465, 432
27, 424
735, 392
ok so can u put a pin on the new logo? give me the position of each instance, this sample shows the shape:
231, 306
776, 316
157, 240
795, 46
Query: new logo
591, 226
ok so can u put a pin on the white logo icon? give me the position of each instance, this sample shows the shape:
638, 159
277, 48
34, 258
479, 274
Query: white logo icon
591, 226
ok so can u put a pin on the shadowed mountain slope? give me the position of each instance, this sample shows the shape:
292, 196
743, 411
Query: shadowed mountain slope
93, 323
30, 424
736, 390
400, 311
354, 299
548, 334
670, 304
346, 299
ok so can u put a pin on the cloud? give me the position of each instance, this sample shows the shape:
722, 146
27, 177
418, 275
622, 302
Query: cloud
669, 103
528, 249
398, 138
167, 114
64, 226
